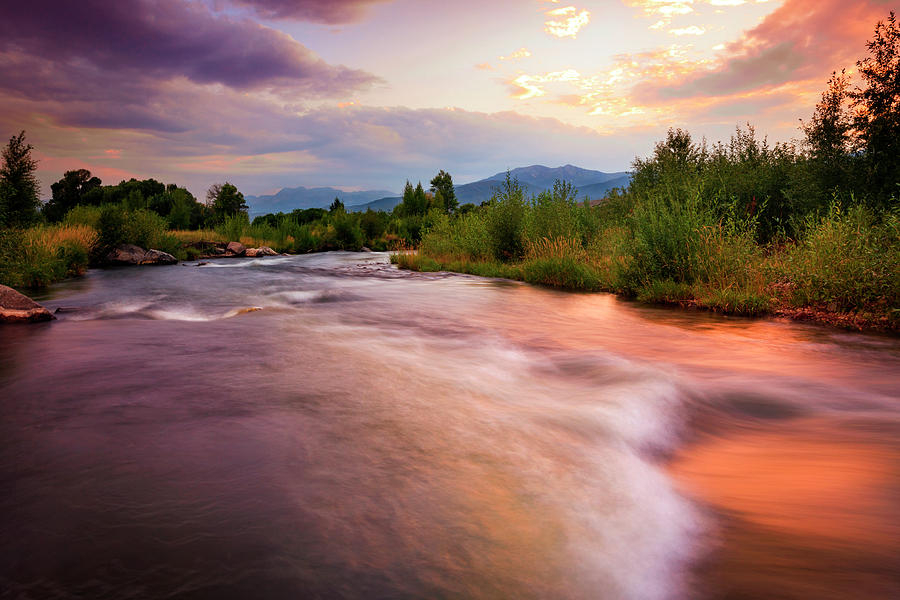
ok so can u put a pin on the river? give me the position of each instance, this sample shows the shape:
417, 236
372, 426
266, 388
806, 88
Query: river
375, 433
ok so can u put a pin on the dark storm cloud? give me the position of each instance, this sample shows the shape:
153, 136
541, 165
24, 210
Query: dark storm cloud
163, 39
332, 12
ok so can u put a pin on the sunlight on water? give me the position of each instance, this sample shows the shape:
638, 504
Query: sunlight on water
328, 426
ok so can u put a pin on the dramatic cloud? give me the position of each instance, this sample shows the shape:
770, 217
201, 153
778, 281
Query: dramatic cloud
803, 40
142, 39
332, 12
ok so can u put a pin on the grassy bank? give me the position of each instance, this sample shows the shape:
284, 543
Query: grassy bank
841, 267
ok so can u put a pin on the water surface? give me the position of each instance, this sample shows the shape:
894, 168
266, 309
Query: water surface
372, 433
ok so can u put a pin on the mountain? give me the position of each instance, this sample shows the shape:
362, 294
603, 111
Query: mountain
288, 199
534, 180
596, 191
386, 204
542, 178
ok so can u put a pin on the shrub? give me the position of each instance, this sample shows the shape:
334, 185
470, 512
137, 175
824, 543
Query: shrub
505, 216
846, 260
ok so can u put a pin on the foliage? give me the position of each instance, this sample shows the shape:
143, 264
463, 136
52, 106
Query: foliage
117, 225
18, 185
442, 188
877, 119
848, 260
505, 216
225, 201
38, 256
74, 189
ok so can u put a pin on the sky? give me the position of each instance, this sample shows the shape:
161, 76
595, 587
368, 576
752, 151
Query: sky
365, 94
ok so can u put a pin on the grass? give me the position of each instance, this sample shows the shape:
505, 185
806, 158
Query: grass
841, 269
36, 257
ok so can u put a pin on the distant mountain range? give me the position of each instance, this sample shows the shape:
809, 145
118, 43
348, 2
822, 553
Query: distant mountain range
534, 179
288, 199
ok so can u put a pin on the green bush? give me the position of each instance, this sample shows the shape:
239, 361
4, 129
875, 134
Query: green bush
848, 260
505, 216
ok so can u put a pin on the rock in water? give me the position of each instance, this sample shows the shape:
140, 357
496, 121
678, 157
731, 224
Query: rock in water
129, 254
126, 254
261, 251
18, 308
158, 257
235, 249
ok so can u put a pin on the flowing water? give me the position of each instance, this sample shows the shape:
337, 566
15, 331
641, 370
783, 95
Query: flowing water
372, 433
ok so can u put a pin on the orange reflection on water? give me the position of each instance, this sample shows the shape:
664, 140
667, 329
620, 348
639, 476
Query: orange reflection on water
808, 498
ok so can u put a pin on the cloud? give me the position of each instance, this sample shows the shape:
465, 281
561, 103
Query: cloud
566, 21
801, 41
331, 12
692, 30
142, 40
258, 146
520, 53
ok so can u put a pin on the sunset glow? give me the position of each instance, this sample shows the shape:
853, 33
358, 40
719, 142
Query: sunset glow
354, 93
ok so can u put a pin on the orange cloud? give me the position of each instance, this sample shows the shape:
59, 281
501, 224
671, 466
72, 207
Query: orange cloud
566, 21
802, 41
520, 53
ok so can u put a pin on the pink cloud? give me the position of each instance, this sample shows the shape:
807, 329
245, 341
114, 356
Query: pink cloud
803, 40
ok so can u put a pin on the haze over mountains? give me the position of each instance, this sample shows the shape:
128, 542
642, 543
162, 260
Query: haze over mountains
534, 179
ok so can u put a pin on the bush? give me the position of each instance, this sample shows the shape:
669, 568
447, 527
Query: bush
505, 220
847, 260
41, 255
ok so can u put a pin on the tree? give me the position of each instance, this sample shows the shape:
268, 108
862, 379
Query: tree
415, 201
828, 139
877, 118
336, 206
443, 183
75, 188
225, 201
18, 185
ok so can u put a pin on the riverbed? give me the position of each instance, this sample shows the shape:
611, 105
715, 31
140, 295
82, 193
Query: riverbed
327, 426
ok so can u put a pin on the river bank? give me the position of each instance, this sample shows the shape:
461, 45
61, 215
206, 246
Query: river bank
574, 276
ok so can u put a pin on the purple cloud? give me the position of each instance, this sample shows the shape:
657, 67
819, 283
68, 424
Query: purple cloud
331, 12
164, 39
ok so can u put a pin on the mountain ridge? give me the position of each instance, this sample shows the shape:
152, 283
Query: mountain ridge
534, 179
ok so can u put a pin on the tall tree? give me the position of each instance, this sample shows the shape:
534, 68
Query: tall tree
226, 201
877, 119
443, 183
18, 185
828, 135
73, 189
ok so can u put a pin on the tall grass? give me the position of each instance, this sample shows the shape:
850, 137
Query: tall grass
38, 256
847, 261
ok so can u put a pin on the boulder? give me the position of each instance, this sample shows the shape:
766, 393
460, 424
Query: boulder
126, 254
18, 308
157, 257
251, 252
265, 251
235, 249
129, 254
